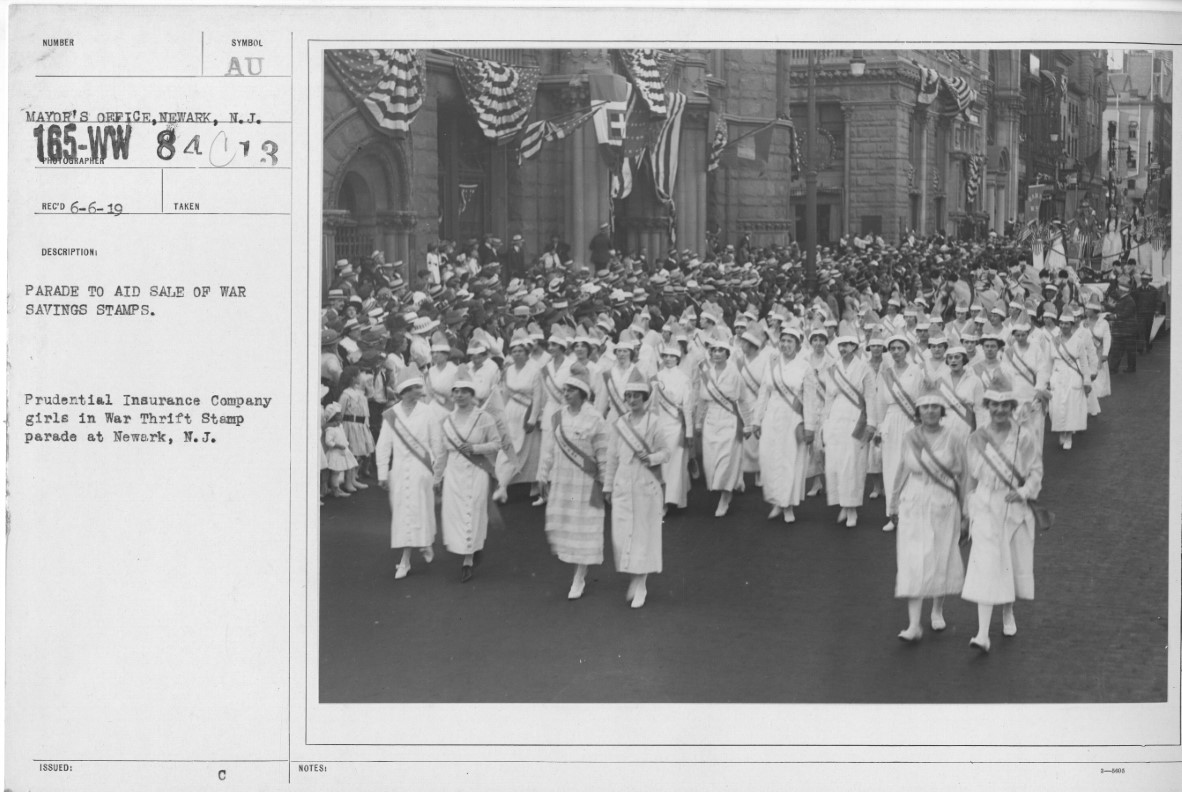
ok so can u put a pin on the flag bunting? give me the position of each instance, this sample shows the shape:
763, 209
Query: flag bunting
500, 95
961, 92
387, 84
649, 70
974, 179
547, 131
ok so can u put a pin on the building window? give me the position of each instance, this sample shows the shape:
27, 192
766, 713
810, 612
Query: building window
1132, 130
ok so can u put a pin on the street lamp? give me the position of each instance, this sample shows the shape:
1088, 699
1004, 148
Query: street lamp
857, 69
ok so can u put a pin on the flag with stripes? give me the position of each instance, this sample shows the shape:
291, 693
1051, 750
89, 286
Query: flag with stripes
962, 94
649, 70
717, 145
501, 95
663, 156
387, 84
621, 178
929, 85
547, 131
531, 141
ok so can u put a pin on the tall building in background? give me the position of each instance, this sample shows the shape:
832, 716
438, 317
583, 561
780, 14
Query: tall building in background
1138, 126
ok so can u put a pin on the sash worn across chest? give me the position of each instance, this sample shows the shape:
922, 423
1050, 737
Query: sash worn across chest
1021, 366
935, 469
666, 403
613, 393
899, 394
455, 440
715, 392
854, 396
552, 388
1005, 470
748, 375
785, 391
412, 444
1068, 358
635, 441
962, 410
581, 459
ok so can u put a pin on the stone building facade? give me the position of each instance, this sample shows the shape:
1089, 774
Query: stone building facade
886, 162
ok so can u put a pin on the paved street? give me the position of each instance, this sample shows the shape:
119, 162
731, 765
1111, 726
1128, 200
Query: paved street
755, 611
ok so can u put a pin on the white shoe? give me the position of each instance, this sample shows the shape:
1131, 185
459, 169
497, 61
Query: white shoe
938, 622
759, 479
1009, 625
576, 589
789, 515
776, 512
1067, 444
875, 493
978, 643
890, 526
841, 515
911, 636
816, 490
360, 486
538, 501
851, 518
428, 554
721, 511
638, 600
401, 571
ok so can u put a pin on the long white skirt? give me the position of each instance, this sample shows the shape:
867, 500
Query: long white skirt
926, 548
845, 463
637, 511
894, 425
465, 506
1001, 562
721, 450
1069, 403
675, 472
782, 460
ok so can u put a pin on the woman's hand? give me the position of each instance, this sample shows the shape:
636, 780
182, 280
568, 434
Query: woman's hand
1014, 497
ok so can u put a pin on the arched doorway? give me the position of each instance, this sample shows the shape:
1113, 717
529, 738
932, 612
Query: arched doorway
366, 204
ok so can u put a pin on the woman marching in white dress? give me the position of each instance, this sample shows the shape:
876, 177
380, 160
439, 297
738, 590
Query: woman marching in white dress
929, 487
723, 421
632, 485
465, 473
1005, 475
1072, 371
819, 360
406, 447
785, 420
846, 428
893, 411
522, 384
673, 397
571, 473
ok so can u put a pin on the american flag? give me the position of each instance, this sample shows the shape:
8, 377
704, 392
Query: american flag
388, 84
663, 156
717, 145
544, 131
500, 95
649, 70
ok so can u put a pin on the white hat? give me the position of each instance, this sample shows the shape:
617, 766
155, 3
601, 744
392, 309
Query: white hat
464, 379
409, 377
637, 383
578, 377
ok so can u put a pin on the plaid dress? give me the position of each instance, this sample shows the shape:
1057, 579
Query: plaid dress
574, 527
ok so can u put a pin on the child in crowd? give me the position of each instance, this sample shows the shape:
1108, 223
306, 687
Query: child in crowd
341, 461
355, 420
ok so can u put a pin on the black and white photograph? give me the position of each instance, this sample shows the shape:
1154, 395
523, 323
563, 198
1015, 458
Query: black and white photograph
755, 375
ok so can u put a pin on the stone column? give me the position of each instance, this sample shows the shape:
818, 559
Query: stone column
689, 191
395, 238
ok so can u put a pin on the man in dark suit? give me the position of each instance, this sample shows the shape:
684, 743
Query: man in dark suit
1146, 297
514, 263
1123, 322
601, 248
488, 250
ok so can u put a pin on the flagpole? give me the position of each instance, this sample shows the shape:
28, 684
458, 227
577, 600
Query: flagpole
749, 134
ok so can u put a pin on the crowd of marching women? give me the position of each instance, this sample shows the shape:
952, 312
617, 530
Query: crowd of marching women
926, 373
